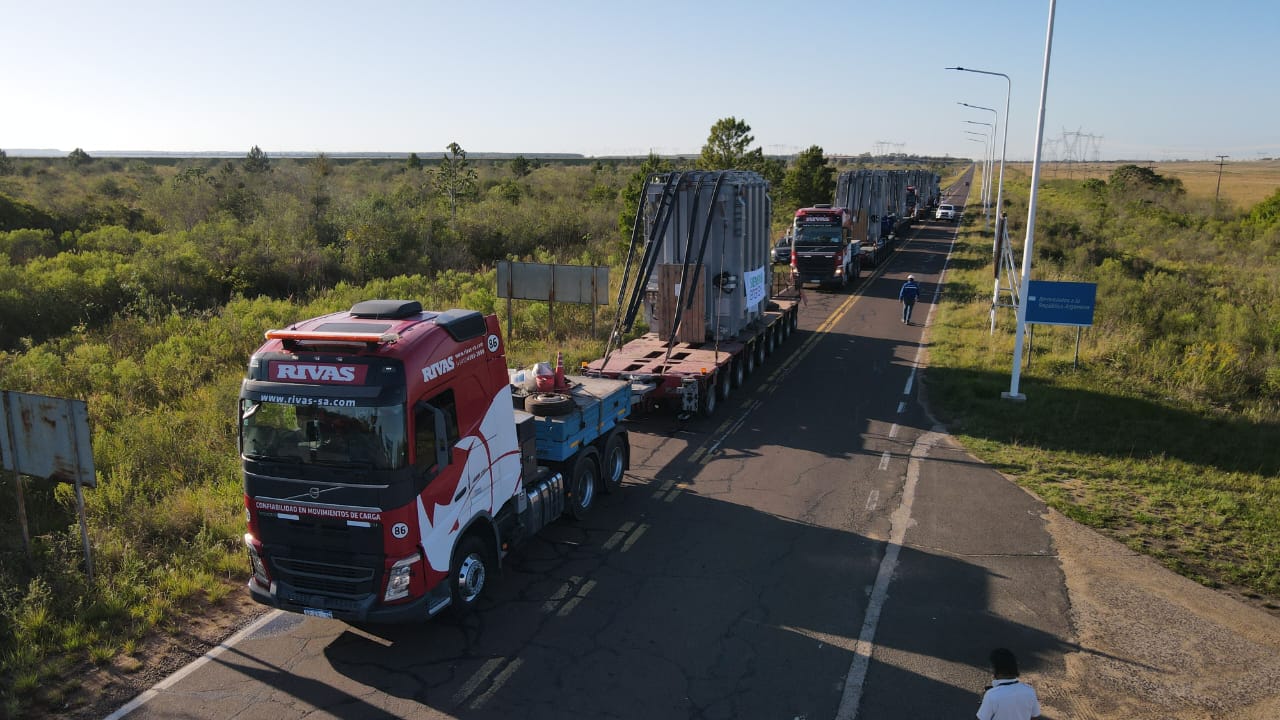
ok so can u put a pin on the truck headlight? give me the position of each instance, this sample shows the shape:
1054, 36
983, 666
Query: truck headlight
399, 577
259, 568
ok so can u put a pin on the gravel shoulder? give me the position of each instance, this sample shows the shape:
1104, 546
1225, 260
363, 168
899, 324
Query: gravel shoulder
1153, 644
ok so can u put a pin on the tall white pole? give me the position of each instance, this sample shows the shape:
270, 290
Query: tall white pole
1013, 393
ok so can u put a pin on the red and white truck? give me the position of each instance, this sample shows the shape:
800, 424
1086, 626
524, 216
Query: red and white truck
388, 469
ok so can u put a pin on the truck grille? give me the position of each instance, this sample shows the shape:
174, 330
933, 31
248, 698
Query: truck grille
816, 265
351, 581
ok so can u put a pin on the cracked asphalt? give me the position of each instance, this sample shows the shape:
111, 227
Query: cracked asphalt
733, 574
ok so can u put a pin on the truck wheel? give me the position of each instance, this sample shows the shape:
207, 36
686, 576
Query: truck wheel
749, 359
739, 375
795, 320
549, 404
469, 575
707, 401
614, 463
582, 485
760, 352
723, 384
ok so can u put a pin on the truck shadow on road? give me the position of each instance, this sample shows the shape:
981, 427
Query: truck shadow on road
691, 608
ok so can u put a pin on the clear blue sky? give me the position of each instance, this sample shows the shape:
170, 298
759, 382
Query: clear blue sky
1147, 80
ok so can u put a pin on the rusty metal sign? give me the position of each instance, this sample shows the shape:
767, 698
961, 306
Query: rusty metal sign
46, 437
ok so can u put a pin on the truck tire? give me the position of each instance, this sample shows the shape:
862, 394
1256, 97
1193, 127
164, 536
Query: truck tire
723, 384
549, 404
469, 574
584, 479
795, 319
760, 352
738, 375
613, 464
707, 401
748, 359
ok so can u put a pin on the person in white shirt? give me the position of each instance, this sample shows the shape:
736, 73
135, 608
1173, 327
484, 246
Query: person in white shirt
1007, 698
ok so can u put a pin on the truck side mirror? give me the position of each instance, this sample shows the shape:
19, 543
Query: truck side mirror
313, 430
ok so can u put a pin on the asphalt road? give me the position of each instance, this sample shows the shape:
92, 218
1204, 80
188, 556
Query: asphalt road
815, 550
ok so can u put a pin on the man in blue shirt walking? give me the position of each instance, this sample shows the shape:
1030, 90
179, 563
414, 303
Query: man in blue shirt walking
908, 294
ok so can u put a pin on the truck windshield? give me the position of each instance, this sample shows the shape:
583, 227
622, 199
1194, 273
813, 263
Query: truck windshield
818, 236
363, 437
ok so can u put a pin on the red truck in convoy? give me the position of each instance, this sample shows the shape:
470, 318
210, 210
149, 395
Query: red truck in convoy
388, 467
825, 248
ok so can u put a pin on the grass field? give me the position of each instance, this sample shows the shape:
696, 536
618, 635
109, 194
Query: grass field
1196, 487
1244, 184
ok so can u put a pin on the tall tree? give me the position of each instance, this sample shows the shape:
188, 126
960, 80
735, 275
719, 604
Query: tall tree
810, 180
455, 178
726, 145
520, 166
6, 165
257, 161
634, 187
78, 157
771, 168
413, 162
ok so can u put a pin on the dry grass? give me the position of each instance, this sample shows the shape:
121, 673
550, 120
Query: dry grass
1244, 184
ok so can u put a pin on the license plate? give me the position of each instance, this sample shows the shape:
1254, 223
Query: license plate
316, 612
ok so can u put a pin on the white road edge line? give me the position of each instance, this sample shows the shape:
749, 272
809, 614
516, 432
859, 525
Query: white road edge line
900, 519
194, 665
852, 695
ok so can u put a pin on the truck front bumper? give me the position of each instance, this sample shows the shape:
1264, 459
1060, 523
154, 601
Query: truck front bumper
286, 598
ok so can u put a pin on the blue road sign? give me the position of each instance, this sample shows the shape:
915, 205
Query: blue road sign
1061, 303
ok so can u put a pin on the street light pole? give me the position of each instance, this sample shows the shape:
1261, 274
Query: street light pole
995, 119
987, 163
1000, 215
1013, 393
985, 218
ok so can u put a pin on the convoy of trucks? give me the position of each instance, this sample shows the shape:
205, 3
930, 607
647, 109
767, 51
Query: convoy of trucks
887, 203
391, 459
388, 468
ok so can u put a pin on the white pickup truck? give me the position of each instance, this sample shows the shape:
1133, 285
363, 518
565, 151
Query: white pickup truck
946, 212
